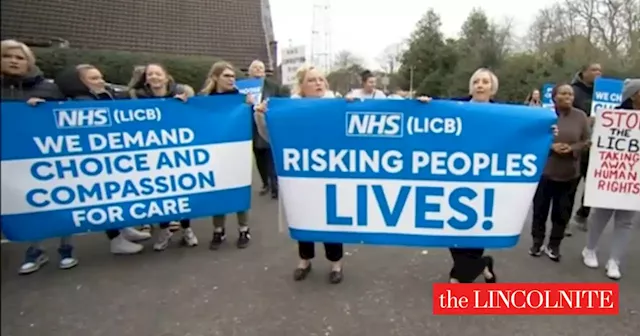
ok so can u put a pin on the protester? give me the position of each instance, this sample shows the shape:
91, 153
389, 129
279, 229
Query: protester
22, 80
85, 82
623, 221
469, 263
561, 174
310, 84
222, 80
398, 94
261, 148
368, 90
533, 99
583, 92
156, 82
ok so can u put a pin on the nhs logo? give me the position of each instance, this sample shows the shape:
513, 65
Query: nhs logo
82, 117
375, 124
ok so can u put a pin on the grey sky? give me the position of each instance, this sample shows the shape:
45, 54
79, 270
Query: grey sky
366, 27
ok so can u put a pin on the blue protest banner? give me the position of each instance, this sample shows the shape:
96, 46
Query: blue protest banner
90, 166
547, 100
251, 86
396, 172
607, 94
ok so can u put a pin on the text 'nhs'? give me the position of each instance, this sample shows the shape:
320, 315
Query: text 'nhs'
395, 125
103, 117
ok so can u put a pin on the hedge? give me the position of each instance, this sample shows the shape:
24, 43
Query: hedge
117, 66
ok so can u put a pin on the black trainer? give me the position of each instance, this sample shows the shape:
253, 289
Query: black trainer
535, 250
218, 239
244, 237
553, 253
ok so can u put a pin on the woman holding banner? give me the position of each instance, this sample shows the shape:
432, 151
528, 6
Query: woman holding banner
310, 84
23, 81
368, 89
222, 80
156, 82
622, 220
561, 174
470, 263
85, 82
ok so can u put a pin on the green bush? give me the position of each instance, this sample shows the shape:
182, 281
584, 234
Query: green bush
117, 66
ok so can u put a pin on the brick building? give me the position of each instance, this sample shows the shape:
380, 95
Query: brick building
238, 31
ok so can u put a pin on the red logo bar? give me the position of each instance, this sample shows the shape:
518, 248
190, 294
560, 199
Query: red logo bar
526, 299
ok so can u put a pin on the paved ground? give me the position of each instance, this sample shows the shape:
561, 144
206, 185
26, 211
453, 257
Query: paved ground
197, 292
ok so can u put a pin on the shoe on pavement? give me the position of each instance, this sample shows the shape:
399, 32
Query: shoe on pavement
535, 250
189, 238
218, 238
67, 260
244, 238
552, 252
120, 245
133, 235
589, 258
613, 270
164, 238
580, 223
34, 259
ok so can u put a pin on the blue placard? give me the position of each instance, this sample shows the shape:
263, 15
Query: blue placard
405, 173
607, 94
547, 100
251, 86
90, 166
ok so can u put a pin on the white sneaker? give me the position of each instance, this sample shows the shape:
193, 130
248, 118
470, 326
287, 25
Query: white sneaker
589, 258
120, 245
131, 234
613, 270
164, 238
189, 238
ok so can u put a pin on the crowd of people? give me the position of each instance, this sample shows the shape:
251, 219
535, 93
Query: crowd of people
566, 166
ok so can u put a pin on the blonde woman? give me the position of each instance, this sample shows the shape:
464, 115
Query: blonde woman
311, 83
86, 82
23, 81
221, 80
470, 263
156, 82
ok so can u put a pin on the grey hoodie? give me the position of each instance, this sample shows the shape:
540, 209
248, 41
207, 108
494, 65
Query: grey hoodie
631, 87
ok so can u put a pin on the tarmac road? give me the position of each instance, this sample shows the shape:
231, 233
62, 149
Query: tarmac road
231, 292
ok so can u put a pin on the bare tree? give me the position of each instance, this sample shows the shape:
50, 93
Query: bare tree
346, 59
391, 57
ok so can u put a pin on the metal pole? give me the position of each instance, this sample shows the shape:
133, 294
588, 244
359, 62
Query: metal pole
411, 82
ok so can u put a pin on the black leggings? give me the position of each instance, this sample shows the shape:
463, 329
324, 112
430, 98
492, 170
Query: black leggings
184, 223
113, 233
333, 251
558, 196
468, 264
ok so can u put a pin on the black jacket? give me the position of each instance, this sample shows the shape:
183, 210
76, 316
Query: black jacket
583, 94
270, 89
32, 85
72, 87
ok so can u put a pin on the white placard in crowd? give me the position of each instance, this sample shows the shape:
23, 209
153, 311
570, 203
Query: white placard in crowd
292, 59
613, 177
